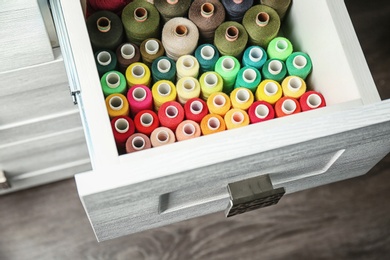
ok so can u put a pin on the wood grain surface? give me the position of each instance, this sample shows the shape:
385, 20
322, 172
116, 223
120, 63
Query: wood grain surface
344, 220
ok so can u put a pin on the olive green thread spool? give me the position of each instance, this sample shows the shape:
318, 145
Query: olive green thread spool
231, 39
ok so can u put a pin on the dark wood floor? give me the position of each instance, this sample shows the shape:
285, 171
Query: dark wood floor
345, 220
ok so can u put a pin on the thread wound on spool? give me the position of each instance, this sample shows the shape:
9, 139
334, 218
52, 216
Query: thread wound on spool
218, 103
122, 128
146, 121
187, 66
210, 82
187, 88
227, 67
312, 100
172, 8
105, 61
280, 48
260, 111
187, 129
236, 118
195, 109
137, 142
293, 86
127, 54
117, 105
162, 136
269, 91
274, 69
231, 39
212, 124
207, 55
287, 106
140, 98
138, 74
163, 68
163, 91
171, 114
254, 56
299, 64
241, 98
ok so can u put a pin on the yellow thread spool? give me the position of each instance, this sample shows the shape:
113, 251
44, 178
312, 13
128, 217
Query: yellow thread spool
241, 98
269, 91
187, 66
138, 74
163, 91
117, 105
218, 103
211, 124
236, 118
187, 88
210, 82
293, 86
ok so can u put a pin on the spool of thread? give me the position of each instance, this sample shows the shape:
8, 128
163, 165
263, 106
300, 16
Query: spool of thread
228, 67
248, 77
113, 6
122, 128
287, 106
280, 6
207, 15
207, 55
230, 39
180, 37
262, 24
141, 21
172, 8
187, 129
279, 48
293, 86
151, 49
163, 68
113, 82
137, 142
210, 82
117, 105
105, 30
195, 109
269, 91
236, 9
254, 56
162, 136
187, 88
163, 91
312, 100
105, 61
127, 54
146, 121
140, 98
260, 111
171, 114
138, 74
236, 118
187, 66
241, 98
218, 103
212, 124
299, 64
274, 69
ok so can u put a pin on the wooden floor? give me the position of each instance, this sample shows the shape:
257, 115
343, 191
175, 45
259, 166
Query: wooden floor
345, 220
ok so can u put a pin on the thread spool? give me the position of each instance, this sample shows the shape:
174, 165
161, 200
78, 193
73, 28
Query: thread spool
140, 98
122, 128
248, 77
172, 8
236, 118
254, 56
228, 67
280, 6
231, 39
210, 82
312, 100
195, 109
141, 21
274, 69
113, 6
105, 61
269, 91
236, 9
137, 142
212, 124
162, 136
163, 68
138, 74
146, 121
207, 15
260, 111
299, 64
163, 91
207, 55
187, 88
287, 106
279, 48
117, 105
187, 66
186, 130
241, 98
113, 82
179, 37
218, 103
293, 86
105, 30
127, 54
171, 114
262, 24
151, 49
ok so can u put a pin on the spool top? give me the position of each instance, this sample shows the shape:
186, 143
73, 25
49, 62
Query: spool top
140, 14
232, 33
207, 10
181, 30
103, 24
262, 19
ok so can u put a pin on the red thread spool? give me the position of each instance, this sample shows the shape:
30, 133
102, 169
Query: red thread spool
110, 5
312, 100
195, 109
287, 106
146, 121
171, 114
260, 111
140, 98
137, 142
122, 128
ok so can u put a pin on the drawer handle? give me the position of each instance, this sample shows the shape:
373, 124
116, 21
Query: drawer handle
251, 194
3, 181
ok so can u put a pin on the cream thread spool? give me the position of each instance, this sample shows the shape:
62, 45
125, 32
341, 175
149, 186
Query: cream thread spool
187, 88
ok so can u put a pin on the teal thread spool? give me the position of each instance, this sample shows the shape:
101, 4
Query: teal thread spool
275, 70
105, 61
227, 67
113, 82
248, 77
254, 56
163, 68
279, 48
231, 39
207, 55
299, 64
169, 9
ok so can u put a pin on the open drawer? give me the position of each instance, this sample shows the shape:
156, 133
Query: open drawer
155, 187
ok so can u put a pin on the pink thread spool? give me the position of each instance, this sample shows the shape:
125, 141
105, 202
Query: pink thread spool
140, 98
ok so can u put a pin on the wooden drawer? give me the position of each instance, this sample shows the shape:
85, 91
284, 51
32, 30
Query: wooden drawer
133, 192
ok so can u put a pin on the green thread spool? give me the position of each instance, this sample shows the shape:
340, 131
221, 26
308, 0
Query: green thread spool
113, 82
248, 77
279, 48
151, 49
280, 6
228, 67
207, 55
187, 66
169, 9
210, 82
299, 64
262, 24
274, 69
141, 21
105, 61
231, 39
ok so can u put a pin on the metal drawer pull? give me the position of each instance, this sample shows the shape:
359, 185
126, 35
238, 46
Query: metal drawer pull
3, 181
251, 194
